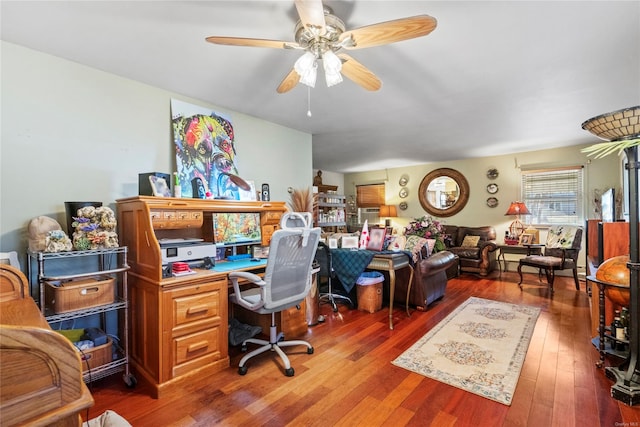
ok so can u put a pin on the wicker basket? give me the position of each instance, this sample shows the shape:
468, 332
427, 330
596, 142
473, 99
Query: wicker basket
97, 356
369, 289
76, 294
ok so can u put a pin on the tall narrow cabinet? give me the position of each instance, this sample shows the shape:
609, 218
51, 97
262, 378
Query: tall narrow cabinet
330, 210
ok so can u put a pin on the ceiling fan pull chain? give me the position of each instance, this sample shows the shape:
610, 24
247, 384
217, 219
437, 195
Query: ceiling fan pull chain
308, 101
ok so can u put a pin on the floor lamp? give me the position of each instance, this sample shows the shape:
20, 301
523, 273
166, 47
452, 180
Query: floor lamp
617, 127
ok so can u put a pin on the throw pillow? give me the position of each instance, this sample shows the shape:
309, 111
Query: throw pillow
397, 243
431, 243
470, 241
414, 245
561, 236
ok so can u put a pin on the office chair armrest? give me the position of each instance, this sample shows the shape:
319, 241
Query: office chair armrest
253, 279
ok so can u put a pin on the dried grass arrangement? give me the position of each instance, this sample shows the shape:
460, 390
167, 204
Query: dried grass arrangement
301, 200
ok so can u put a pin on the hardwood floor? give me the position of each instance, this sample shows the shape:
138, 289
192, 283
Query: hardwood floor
350, 380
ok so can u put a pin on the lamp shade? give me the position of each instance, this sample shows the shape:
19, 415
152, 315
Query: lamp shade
235, 179
332, 66
387, 211
307, 68
517, 208
615, 126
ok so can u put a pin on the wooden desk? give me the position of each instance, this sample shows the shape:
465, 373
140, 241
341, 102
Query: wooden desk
391, 263
179, 325
41, 376
517, 250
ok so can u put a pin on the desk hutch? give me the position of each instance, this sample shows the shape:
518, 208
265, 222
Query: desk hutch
179, 325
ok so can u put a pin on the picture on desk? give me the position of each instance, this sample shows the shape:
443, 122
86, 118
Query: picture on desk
527, 239
349, 242
376, 239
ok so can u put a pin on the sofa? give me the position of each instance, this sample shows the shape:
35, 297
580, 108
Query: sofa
429, 280
474, 246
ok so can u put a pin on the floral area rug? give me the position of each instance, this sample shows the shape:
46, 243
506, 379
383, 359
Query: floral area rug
479, 347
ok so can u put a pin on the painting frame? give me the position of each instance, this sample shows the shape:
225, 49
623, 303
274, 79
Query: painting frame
376, 239
349, 242
159, 186
527, 239
333, 243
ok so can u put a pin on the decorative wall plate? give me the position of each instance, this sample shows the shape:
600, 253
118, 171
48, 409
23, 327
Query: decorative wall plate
404, 179
403, 206
492, 202
403, 193
492, 188
492, 173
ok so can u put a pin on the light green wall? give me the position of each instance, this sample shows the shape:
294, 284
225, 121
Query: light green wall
72, 133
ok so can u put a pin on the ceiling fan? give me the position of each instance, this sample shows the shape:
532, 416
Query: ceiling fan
321, 34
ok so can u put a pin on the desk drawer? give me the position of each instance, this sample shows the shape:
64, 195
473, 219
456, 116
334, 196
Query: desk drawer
193, 346
197, 305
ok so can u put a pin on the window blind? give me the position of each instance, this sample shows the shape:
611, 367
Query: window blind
370, 196
554, 196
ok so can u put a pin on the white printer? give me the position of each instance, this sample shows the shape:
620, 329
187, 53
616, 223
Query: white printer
186, 250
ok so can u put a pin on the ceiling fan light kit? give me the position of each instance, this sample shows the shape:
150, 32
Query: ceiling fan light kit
322, 35
307, 68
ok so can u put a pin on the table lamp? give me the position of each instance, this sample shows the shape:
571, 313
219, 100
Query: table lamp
388, 211
517, 208
235, 179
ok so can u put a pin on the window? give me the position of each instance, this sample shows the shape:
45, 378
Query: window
554, 196
370, 196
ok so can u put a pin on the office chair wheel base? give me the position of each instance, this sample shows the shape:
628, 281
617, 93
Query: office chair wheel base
289, 372
242, 370
309, 350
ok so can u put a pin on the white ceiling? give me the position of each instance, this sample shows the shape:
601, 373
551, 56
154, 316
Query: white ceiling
493, 78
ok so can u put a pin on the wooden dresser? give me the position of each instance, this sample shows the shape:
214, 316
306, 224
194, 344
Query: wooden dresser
179, 325
40, 370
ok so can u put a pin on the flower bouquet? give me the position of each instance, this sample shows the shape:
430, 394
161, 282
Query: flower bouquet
429, 228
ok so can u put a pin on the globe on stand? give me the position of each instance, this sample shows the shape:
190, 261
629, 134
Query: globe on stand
614, 271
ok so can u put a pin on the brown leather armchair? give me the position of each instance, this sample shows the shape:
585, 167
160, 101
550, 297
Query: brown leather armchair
479, 259
429, 280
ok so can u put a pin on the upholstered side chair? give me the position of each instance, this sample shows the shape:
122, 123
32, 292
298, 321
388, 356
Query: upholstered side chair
561, 252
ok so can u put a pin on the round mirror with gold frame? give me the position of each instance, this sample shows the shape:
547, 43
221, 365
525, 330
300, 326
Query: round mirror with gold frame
443, 192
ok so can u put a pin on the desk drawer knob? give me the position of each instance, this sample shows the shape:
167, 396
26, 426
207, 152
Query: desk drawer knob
197, 346
197, 309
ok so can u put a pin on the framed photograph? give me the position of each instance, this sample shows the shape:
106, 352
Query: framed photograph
376, 239
526, 239
159, 186
333, 243
350, 242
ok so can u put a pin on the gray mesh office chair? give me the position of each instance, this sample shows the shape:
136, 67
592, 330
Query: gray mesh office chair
286, 282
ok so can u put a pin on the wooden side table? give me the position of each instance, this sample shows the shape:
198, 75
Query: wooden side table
534, 249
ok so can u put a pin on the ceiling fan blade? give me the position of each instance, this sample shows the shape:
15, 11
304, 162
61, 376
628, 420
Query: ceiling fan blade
289, 82
239, 41
311, 14
389, 32
358, 73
